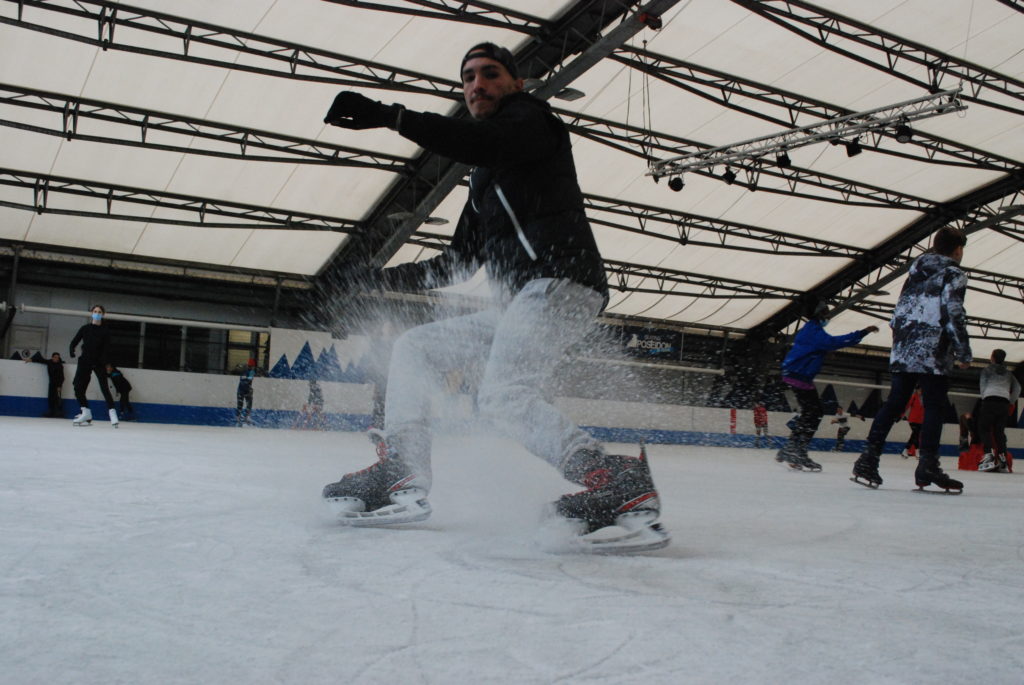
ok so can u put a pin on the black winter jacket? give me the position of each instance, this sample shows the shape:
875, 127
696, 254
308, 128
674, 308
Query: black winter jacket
95, 342
524, 218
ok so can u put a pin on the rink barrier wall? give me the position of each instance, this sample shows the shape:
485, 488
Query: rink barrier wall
209, 400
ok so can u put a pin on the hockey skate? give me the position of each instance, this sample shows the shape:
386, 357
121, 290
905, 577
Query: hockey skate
930, 473
84, 417
113, 417
616, 514
865, 469
387, 493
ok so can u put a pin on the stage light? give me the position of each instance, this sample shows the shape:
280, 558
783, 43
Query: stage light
729, 176
904, 133
676, 183
853, 148
783, 161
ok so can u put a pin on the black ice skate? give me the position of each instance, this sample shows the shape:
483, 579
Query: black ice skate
930, 473
865, 469
385, 494
618, 512
795, 459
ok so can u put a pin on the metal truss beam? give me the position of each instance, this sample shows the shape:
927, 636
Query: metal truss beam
1014, 331
233, 142
739, 94
158, 266
1014, 4
628, 277
276, 57
887, 50
115, 202
998, 285
290, 60
464, 11
686, 230
973, 208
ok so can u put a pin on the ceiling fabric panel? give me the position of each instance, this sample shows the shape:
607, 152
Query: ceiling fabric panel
728, 256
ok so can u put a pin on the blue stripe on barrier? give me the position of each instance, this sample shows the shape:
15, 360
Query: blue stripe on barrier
272, 418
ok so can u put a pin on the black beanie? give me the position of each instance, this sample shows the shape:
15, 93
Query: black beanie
492, 51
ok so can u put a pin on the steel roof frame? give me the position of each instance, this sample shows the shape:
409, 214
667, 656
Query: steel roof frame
820, 26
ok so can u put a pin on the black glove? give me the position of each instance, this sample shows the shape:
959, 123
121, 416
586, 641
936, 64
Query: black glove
356, 111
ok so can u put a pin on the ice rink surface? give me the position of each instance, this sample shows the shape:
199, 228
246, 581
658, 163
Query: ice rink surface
175, 554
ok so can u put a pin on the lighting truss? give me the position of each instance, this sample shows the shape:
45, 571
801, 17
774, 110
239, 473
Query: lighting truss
108, 201
785, 108
751, 155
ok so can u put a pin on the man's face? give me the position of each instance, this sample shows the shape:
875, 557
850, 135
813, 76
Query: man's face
484, 83
55, 357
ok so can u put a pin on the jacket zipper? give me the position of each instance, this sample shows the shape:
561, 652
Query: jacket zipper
515, 223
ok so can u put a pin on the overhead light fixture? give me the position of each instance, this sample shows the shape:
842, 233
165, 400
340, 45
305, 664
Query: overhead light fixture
853, 147
569, 94
892, 120
676, 183
436, 221
729, 176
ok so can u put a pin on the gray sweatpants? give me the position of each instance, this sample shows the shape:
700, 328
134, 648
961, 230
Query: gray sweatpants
520, 342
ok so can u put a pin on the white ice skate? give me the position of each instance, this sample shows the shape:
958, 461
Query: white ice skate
632, 533
989, 463
113, 418
84, 418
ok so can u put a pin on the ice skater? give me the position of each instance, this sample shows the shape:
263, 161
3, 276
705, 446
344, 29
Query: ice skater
124, 389
95, 339
760, 424
799, 368
999, 391
914, 414
244, 394
525, 222
929, 336
54, 388
842, 423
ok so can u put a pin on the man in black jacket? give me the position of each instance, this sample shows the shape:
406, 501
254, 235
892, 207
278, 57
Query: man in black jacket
55, 373
525, 223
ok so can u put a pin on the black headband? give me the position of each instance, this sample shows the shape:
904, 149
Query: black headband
491, 51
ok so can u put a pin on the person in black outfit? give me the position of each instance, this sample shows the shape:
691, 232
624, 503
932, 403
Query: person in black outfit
55, 371
95, 339
123, 388
524, 221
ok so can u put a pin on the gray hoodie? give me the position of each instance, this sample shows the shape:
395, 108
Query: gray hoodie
997, 381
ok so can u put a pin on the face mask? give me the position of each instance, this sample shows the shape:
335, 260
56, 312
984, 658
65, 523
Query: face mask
96, 316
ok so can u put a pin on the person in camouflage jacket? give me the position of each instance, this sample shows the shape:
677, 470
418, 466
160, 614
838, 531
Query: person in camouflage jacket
929, 338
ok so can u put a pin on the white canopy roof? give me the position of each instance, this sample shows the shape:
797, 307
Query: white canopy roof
163, 200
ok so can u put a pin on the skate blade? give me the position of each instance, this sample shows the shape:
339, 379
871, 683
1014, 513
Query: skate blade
866, 483
631, 534
408, 506
943, 491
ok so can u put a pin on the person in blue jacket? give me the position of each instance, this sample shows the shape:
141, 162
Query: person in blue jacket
799, 368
